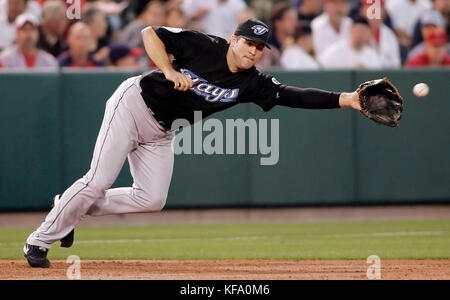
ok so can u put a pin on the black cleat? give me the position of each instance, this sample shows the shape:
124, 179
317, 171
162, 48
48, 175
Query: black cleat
36, 256
66, 241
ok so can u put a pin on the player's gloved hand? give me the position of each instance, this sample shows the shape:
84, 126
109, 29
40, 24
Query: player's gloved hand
381, 102
181, 81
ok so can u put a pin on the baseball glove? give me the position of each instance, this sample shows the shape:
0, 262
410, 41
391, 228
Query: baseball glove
381, 102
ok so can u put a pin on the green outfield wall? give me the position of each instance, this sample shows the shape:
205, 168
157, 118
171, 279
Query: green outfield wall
50, 123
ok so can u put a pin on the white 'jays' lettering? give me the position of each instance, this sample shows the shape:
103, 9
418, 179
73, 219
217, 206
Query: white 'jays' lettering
210, 92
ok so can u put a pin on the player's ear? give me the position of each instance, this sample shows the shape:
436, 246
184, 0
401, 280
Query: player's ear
233, 40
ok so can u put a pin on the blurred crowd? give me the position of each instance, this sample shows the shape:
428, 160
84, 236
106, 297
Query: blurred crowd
306, 34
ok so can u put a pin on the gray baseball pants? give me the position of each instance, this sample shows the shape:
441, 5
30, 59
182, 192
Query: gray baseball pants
128, 130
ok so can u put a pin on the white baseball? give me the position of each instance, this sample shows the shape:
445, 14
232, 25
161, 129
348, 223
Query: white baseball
421, 90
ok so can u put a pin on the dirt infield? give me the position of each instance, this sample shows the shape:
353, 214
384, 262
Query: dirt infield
230, 269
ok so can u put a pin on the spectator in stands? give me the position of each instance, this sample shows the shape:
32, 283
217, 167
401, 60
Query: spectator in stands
404, 15
9, 11
176, 18
121, 56
24, 53
383, 39
299, 56
441, 6
96, 20
198, 14
353, 53
435, 53
214, 17
150, 13
429, 20
79, 41
110, 7
283, 22
248, 13
270, 58
331, 26
53, 25
308, 11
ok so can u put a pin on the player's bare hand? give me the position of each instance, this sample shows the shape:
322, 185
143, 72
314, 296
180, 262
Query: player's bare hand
181, 81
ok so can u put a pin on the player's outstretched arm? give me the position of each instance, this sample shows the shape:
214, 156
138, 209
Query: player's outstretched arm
157, 52
378, 100
311, 98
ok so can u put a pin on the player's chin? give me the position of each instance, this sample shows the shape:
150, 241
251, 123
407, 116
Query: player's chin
247, 63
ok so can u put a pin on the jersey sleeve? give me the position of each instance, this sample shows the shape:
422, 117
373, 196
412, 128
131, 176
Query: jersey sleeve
183, 44
263, 90
267, 92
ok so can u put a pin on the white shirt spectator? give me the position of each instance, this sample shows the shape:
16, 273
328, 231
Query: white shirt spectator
7, 29
32, 8
7, 33
12, 58
295, 58
388, 48
220, 18
324, 34
405, 13
342, 55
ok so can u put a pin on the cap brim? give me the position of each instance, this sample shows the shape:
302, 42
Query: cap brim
20, 25
256, 40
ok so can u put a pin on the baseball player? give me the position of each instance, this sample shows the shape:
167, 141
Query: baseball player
197, 72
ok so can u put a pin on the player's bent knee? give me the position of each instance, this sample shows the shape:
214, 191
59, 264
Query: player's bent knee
160, 203
152, 202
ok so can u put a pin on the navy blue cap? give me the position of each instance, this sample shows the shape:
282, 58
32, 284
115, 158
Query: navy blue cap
254, 30
118, 51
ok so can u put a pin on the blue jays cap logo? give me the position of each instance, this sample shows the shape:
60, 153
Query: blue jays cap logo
253, 30
259, 29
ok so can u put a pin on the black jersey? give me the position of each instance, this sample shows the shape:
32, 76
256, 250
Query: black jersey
203, 58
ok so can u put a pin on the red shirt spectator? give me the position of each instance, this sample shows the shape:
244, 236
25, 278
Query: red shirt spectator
30, 60
435, 53
422, 60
